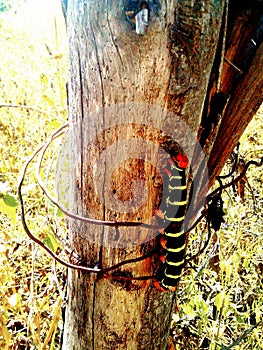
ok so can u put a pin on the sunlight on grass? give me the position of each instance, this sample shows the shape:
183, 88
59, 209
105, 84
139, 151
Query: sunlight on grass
33, 75
217, 306
39, 52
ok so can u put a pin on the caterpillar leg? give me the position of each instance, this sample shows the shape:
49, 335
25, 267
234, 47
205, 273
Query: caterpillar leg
158, 285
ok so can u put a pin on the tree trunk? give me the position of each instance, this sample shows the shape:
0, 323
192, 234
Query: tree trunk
127, 93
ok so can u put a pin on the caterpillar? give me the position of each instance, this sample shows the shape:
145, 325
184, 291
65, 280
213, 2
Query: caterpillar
174, 240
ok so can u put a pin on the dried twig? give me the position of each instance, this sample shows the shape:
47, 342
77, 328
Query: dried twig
24, 107
223, 187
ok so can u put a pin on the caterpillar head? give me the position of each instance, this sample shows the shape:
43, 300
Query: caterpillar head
174, 150
181, 160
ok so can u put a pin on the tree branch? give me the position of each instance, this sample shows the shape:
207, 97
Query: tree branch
240, 111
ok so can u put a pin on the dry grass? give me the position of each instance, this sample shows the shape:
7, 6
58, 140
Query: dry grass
218, 308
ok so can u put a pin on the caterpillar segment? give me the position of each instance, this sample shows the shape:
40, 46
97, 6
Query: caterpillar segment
173, 240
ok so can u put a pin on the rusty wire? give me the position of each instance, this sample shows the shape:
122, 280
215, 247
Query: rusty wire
40, 152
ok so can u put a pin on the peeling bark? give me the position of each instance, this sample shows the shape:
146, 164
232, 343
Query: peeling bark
241, 109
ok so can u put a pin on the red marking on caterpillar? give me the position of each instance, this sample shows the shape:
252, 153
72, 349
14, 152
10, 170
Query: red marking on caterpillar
163, 242
181, 160
168, 172
162, 258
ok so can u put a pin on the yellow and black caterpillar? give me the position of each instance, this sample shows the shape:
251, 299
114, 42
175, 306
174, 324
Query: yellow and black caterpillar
174, 238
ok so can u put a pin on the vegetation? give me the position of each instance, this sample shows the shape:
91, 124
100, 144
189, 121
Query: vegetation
221, 304
33, 74
220, 301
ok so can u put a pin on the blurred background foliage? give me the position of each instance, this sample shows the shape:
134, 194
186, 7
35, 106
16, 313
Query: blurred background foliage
220, 301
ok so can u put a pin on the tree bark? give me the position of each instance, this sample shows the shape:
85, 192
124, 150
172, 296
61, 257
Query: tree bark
242, 107
127, 92
235, 85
